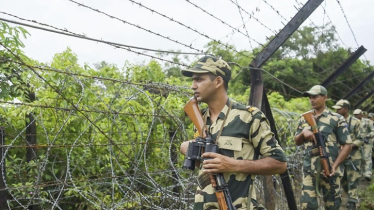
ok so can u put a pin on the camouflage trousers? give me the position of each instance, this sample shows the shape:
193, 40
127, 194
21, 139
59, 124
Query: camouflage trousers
309, 198
366, 159
351, 178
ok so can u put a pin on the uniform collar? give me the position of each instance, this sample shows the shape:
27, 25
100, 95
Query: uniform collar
223, 112
325, 112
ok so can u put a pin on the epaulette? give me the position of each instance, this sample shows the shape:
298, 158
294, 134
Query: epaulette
244, 107
251, 108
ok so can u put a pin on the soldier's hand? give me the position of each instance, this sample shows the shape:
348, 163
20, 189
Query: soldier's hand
309, 136
332, 172
333, 169
218, 163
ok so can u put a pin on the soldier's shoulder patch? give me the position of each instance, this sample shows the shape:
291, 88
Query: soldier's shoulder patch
248, 108
251, 108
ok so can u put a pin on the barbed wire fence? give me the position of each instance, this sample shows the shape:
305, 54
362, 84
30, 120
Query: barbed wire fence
137, 172
114, 144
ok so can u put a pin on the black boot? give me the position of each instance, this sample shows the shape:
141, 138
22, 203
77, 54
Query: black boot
351, 205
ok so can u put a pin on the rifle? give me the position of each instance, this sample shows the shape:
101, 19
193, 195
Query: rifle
325, 163
217, 180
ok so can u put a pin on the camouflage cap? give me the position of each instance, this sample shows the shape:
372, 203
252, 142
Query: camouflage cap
342, 103
316, 90
371, 115
211, 64
357, 111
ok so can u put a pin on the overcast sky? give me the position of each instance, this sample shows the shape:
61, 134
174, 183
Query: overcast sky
42, 45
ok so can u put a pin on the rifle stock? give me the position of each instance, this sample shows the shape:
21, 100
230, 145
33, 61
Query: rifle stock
193, 112
309, 118
222, 194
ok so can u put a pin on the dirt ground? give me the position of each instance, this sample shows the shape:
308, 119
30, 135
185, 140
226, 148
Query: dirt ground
362, 187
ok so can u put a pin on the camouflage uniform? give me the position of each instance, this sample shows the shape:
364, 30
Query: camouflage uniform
334, 128
367, 131
352, 164
246, 131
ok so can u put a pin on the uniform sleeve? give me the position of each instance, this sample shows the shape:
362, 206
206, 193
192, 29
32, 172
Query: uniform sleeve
300, 126
356, 137
371, 129
263, 138
342, 133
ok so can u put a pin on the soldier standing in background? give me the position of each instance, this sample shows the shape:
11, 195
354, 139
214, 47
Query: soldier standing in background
334, 129
367, 133
352, 164
371, 117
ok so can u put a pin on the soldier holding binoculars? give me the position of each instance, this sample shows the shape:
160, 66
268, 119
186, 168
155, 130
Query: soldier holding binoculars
241, 133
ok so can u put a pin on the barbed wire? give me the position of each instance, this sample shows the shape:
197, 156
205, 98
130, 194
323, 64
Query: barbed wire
137, 26
251, 16
76, 108
150, 84
39, 146
117, 45
223, 22
188, 27
349, 25
123, 176
327, 15
244, 26
83, 110
346, 19
276, 11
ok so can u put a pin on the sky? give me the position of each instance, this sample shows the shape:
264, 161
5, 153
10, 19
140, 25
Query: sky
67, 14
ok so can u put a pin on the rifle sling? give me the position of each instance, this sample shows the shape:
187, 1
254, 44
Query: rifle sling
223, 123
349, 124
319, 169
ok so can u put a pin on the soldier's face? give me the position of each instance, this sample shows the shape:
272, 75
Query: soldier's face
359, 116
203, 87
317, 101
342, 111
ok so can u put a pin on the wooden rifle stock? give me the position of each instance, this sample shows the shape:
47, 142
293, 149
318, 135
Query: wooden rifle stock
309, 118
193, 112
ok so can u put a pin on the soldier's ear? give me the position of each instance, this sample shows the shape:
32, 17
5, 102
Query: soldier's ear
219, 81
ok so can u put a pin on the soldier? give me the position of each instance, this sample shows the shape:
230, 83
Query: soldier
242, 134
352, 164
367, 133
333, 127
371, 116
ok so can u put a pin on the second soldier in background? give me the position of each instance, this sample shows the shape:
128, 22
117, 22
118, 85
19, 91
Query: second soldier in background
352, 164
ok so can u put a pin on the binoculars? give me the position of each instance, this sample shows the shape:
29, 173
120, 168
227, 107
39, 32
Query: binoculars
196, 149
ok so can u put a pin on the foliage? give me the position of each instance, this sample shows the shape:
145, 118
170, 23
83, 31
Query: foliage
108, 137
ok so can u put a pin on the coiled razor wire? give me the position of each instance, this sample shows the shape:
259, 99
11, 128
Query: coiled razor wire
137, 166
